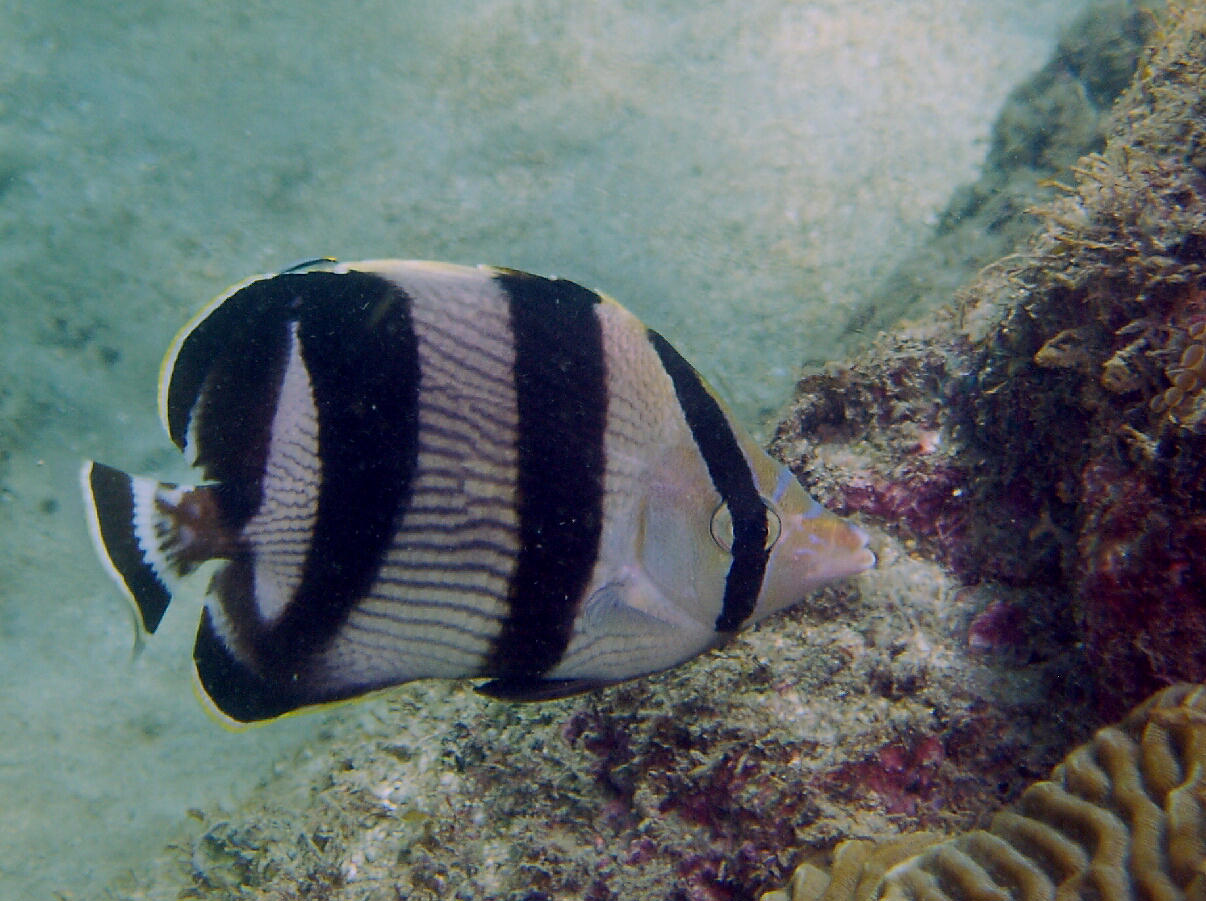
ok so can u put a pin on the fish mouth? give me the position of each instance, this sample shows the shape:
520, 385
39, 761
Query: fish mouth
864, 557
834, 549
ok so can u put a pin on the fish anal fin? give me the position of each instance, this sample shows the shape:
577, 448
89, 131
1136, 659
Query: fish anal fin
236, 691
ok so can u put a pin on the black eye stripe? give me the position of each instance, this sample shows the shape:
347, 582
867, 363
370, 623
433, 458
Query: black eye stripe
731, 476
721, 525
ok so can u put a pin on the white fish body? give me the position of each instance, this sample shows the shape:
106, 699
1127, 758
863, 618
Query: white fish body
415, 470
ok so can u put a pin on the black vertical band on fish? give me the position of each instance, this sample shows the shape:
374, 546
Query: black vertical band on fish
561, 392
731, 475
359, 351
361, 354
413, 469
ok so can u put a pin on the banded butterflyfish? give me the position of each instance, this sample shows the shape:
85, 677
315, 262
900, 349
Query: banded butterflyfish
412, 470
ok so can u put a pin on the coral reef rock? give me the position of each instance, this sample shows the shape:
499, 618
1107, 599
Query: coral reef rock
1123, 816
1050, 429
1047, 123
1087, 404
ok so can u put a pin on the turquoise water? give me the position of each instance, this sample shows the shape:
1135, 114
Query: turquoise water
738, 174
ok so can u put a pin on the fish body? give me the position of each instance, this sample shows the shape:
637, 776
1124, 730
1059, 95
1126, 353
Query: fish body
413, 470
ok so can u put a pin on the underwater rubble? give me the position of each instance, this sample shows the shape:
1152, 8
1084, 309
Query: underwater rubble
1028, 462
698, 783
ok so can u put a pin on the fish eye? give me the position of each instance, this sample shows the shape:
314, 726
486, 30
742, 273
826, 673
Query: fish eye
722, 525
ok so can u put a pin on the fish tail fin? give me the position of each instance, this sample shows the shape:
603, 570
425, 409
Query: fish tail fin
143, 534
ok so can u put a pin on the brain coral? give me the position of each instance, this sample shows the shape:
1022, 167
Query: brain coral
1123, 816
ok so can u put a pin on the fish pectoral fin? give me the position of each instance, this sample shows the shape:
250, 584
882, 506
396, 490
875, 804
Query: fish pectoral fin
527, 689
633, 605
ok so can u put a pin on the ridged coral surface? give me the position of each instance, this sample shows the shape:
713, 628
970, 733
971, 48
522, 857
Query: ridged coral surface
1122, 817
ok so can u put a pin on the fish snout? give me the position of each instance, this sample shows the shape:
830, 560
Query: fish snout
862, 556
831, 548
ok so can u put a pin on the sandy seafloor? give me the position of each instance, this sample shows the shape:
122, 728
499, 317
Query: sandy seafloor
738, 173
